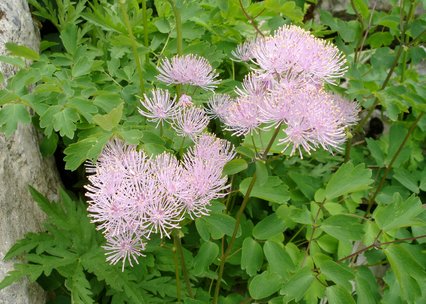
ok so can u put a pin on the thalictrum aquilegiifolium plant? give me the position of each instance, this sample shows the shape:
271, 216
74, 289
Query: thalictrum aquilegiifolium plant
242, 132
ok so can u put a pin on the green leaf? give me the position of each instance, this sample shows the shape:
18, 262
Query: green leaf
7, 96
362, 8
220, 224
130, 136
64, 122
343, 227
251, 256
11, 115
297, 215
235, 166
288, 8
336, 294
111, 120
162, 25
153, 149
81, 67
13, 61
45, 44
69, 37
348, 179
262, 139
125, 281
308, 185
206, 255
397, 134
367, 289
279, 260
87, 148
22, 51
84, 106
48, 144
335, 272
190, 31
327, 243
407, 179
298, 285
46, 118
261, 173
264, 285
379, 39
399, 213
376, 150
32, 272
245, 151
107, 101
292, 11
268, 227
409, 273
274, 190
31, 241
202, 229
79, 286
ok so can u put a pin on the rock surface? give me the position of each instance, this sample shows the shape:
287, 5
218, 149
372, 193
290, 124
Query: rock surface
21, 164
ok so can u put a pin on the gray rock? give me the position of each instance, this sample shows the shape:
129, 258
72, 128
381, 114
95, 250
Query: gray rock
21, 164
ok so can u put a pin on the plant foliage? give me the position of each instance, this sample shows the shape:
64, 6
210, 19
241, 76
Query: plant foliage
346, 228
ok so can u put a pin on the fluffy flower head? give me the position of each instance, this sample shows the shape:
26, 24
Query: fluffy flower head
244, 51
159, 107
218, 105
190, 121
294, 50
188, 69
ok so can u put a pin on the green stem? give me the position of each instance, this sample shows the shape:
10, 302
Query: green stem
314, 228
404, 26
389, 167
250, 19
161, 130
178, 21
240, 213
358, 50
254, 144
403, 66
145, 28
178, 92
377, 245
181, 146
296, 234
361, 21
348, 150
175, 258
405, 41
123, 8
271, 142
225, 256
228, 197
179, 39
145, 23
233, 69
178, 245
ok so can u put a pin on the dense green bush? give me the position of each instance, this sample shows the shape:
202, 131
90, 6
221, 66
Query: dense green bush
346, 227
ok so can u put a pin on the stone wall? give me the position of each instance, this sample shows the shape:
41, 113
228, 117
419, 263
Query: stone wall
21, 163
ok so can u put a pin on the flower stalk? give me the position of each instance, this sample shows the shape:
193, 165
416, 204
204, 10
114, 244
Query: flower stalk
240, 212
178, 245
126, 19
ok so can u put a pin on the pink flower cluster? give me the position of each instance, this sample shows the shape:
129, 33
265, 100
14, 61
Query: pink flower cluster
188, 69
185, 118
286, 90
132, 196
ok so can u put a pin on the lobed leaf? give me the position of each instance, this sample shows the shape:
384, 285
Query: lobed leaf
347, 179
